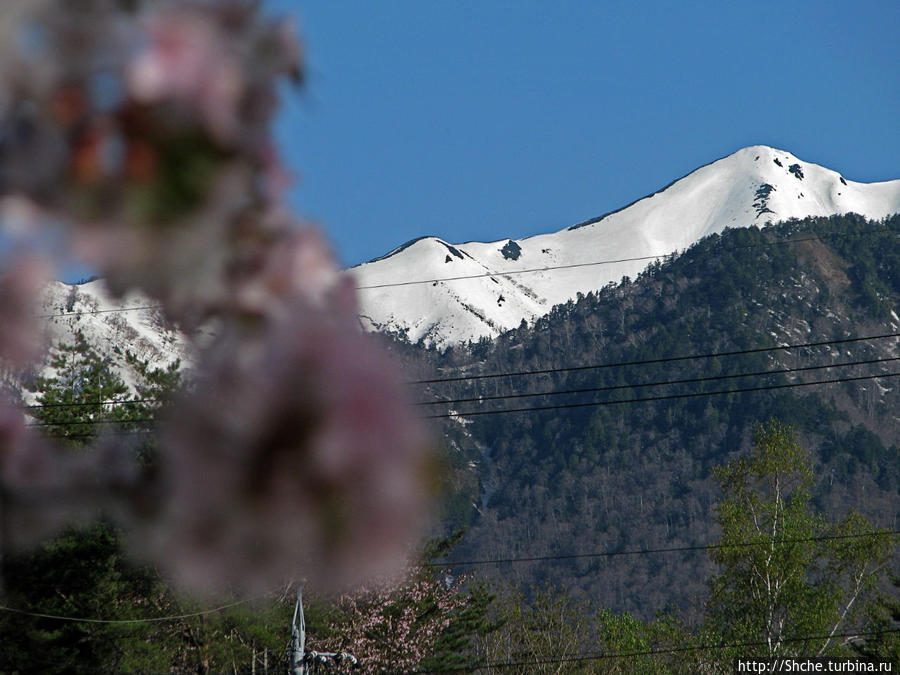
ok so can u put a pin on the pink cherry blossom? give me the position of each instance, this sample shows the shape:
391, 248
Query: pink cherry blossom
144, 133
391, 627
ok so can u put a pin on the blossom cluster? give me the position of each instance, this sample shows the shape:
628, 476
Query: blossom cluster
139, 132
392, 627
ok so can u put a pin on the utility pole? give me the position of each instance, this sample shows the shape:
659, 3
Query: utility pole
302, 662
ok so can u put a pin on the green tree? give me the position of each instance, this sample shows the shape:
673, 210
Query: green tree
468, 621
82, 572
635, 646
85, 394
539, 634
884, 622
785, 571
245, 637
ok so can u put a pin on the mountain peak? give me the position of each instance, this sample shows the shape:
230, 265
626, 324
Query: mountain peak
480, 289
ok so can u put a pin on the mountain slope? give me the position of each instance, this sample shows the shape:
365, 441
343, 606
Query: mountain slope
754, 186
597, 471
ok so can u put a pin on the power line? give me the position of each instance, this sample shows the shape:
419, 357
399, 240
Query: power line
670, 359
127, 432
158, 619
667, 359
692, 380
37, 406
459, 563
70, 423
654, 551
647, 399
100, 311
595, 263
563, 406
506, 274
598, 656
528, 271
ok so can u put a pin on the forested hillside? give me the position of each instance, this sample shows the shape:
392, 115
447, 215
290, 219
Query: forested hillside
609, 470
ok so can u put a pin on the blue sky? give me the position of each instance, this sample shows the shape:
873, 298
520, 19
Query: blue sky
482, 120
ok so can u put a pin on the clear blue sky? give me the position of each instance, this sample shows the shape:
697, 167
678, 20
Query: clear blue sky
482, 120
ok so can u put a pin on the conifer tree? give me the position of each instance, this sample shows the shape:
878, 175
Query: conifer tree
83, 572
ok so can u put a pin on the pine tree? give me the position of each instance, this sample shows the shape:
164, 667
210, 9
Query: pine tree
85, 394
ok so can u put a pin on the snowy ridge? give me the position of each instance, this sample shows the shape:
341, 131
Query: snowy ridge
754, 186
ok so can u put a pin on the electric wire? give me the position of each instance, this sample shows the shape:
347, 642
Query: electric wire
72, 423
564, 369
485, 275
549, 268
99, 311
462, 563
39, 406
599, 656
127, 432
692, 380
783, 242
158, 619
562, 406
666, 359
647, 399
655, 551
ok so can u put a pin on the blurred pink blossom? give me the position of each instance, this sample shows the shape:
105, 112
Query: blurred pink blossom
150, 139
45, 486
295, 264
293, 455
185, 265
392, 627
189, 59
293, 452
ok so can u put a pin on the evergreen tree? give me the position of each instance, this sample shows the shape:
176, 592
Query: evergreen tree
82, 573
470, 617
468, 622
85, 394
884, 623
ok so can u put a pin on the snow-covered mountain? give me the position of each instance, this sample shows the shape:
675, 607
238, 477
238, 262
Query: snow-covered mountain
416, 290
751, 187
